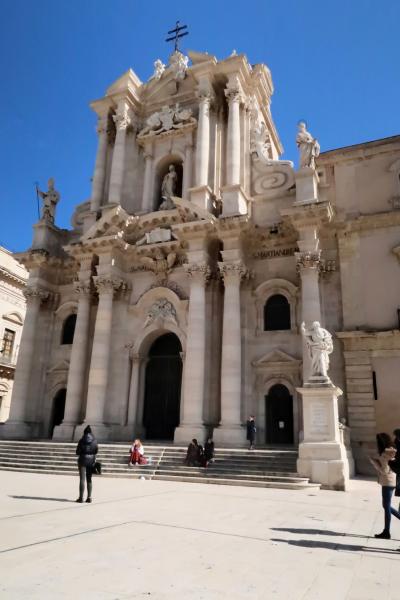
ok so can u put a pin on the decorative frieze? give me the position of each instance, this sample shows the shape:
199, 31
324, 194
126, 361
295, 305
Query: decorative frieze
161, 309
167, 120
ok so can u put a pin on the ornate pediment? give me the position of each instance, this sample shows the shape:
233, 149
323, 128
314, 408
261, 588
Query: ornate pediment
277, 359
166, 121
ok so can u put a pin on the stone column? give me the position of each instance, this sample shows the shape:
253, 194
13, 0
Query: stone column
122, 120
147, 198
203, 140
99, 365
187, 171
308, 264
193, 384
19, 411
233, 137
77, 367
99, 175
230, 430
133, 392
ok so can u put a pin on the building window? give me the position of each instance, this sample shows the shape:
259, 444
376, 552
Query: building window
68, 330
8, 343
277, 313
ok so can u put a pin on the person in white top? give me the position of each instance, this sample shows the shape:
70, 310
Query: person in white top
137, 454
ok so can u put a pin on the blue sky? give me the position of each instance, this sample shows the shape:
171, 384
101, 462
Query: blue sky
334, 63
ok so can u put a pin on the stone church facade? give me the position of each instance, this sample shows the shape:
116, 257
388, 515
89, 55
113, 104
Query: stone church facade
172, 308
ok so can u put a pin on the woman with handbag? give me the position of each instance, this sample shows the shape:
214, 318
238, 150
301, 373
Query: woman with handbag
386, 478
86, 450
137, 454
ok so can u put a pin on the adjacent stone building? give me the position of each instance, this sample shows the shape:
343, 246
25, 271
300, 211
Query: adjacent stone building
13, 278
172, 309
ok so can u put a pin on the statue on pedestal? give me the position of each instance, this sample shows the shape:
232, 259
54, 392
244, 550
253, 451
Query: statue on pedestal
159, 69
168, 188
319, 344
308, 146
50, 199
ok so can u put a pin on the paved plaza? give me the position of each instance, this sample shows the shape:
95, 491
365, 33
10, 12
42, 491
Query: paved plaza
162, 540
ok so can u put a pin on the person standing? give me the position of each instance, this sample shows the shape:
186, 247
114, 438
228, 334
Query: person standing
396, 464
208, 452
86, 450
386, 478
251, 431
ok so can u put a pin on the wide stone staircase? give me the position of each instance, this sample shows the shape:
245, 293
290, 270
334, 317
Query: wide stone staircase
268, 468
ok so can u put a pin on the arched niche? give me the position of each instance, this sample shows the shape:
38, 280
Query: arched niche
161, 169
268, 289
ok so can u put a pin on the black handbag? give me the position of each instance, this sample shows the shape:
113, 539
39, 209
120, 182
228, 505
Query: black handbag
96, 468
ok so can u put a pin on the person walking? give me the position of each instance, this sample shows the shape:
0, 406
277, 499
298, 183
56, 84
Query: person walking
86, 450
251, 431
386, 478
396, 463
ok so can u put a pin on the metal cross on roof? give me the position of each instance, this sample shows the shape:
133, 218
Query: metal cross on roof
177, 35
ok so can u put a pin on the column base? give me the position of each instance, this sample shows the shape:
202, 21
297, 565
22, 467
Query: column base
306, 186
234, 201
17, 430
100, 431
230, 435
185, 433
325, 463
202, 197
64, 432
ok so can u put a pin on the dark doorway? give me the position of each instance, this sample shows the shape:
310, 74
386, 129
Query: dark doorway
163, 388
58, 410
279, 415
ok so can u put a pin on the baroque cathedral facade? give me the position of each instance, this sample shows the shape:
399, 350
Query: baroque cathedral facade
173, 307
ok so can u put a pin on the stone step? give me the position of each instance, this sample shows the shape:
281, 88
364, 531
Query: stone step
227, 481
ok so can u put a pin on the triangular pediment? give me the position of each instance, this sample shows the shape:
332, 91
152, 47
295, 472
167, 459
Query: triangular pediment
62, 365
113, 221
275, 357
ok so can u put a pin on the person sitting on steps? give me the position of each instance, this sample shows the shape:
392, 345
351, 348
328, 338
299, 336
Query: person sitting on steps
137, 454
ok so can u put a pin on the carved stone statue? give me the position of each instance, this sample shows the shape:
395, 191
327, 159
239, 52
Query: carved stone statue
320, 346
179, 63
260, 142
159, 69
308, 146
161, 309
50, 199
168, 189
161, 265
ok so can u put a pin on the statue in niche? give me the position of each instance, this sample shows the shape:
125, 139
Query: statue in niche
320, 346
168, 189
308, 146
159, 69
50, 199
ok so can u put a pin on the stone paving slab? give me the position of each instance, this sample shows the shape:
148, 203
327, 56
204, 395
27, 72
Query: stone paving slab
165, 540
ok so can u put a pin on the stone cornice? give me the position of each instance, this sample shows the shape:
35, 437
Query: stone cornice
12, 277
372, 341
369, 222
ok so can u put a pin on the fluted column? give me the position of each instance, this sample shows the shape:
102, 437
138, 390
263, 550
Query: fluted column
99, 365
230, 430
21, 395
147, 198
203, 140
233, 137
77, 367
122, 120
187, 171
194, 374
133, 392
99, 175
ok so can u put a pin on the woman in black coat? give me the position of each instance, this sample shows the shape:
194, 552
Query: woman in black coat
86, 450
251, 431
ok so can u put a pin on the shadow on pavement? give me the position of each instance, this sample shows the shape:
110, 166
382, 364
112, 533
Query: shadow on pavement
322, 532
41, 498
336, 546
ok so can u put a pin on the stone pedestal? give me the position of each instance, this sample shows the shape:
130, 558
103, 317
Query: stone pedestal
306, 186
201, 197
234, 201
46, 236
322, 455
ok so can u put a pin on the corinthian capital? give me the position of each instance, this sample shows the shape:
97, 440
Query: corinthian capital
36, 293
122, 119
233, 94
199, 271
108, 285
82, 288
233, 272
308, 260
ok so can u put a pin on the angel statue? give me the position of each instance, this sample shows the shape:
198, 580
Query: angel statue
308, 146
161, 265
50, 199
159, 69
320, 346
168, 188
